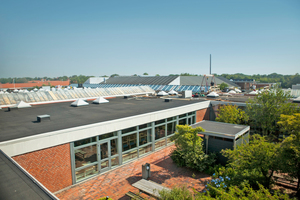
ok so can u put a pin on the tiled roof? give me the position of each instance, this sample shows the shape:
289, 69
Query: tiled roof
36, 83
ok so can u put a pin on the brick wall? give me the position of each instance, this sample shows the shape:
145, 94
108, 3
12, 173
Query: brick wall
202, 115
51, 166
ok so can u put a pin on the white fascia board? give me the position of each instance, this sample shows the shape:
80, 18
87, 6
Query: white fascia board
222, 135
54, 138
242, 132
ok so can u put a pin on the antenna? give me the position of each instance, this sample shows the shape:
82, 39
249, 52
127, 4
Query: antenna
209, 63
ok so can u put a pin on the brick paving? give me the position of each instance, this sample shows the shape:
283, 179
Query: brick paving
116, 183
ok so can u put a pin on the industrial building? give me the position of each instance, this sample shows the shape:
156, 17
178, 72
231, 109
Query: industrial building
165, 83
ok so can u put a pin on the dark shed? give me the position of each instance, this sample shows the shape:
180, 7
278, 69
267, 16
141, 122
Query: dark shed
219, 135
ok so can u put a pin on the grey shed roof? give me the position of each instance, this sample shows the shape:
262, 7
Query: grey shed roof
221, 129
197, 80
230, 83
16, 183
151, 80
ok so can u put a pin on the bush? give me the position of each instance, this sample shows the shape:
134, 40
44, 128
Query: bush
104, 198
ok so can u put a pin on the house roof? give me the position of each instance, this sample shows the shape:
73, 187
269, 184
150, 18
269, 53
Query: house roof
33, 84
16, 183
221, 129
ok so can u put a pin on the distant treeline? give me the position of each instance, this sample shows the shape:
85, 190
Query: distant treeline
286, 80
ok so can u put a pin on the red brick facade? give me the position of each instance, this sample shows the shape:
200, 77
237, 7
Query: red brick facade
202, 115
51, 166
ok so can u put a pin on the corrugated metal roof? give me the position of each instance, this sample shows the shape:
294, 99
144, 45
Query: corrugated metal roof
151, 80
197, 80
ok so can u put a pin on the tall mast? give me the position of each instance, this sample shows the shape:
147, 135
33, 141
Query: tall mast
209, 63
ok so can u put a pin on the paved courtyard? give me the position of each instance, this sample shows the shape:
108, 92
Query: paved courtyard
116, 183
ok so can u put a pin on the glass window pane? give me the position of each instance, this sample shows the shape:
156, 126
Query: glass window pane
113, 147
169, 140
129, 142
182, 122
129, 130
160, 122
144, 126
85, 156
160, 144
145, 137
107, 135
159, 132
115, 161
181, 116
146, 149
104, 150
129, 156
84, 141
190, 113
171, 128
86, 172
171, 118
104, 164
189, 121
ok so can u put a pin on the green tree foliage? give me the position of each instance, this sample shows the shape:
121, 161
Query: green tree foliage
255, 161
223, 86
145, 74
189, 148
265, 110
290, 147
113, 75
157, 75
232, 193
231, 114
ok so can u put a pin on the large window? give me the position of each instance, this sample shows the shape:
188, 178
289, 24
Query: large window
97, 154
129, 142
144, 137
171, 128
160, 132
85, 156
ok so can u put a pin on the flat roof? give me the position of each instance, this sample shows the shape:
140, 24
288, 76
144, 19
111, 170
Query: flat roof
20, 123
222, 129
18, 184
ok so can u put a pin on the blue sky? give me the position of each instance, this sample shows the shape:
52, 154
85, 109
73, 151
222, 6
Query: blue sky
102, 37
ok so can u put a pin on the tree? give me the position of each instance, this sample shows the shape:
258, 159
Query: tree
223, 86
255, 161
113, 75
189, 148
233, 193
265, 110
231, 114
157, 75
290, 147
145, 74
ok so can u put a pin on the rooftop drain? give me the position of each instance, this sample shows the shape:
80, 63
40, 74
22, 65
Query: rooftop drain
39, 118
79, 102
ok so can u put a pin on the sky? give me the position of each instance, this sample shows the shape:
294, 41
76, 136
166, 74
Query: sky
103, 37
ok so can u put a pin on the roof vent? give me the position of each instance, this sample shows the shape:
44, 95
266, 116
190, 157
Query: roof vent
39, 118
100, 100
168, 100
79, 102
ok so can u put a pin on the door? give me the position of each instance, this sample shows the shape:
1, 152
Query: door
104, 150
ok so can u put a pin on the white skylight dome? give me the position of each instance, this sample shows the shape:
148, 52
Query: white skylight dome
79, 102
100, 100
